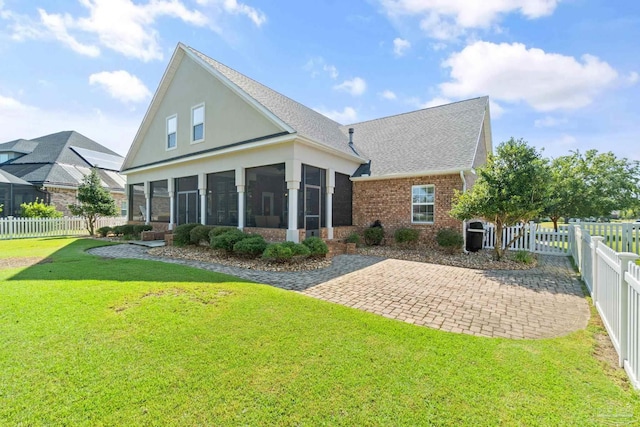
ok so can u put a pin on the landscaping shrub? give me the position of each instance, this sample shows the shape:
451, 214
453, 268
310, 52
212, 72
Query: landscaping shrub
126, 231
449, 239
39, 209
199, 234
406, 236
117, 230
353, 238
298, 249
523, 256
182, 234
373, 236
139, 228
250, 247
218, 230
104, 231
228, 239
317, 246
277, 252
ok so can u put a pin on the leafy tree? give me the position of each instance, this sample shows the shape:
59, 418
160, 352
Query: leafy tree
39, 209
94, 201
592, 184
510, 188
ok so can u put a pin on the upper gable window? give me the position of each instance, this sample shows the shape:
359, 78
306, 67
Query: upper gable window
423, 204
197, 123
172, 131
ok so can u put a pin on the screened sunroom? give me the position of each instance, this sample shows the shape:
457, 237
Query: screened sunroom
15, 191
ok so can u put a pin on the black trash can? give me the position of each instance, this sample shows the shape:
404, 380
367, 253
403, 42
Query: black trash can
475, 236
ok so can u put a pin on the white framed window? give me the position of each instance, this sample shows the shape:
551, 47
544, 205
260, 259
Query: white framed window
172, 132
124, 208
197, 123
423, 198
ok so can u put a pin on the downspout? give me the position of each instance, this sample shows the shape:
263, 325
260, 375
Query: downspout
464, 223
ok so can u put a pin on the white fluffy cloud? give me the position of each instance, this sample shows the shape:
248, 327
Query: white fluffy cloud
233, 7
447, 19
400, 46
434, 102
512, 73
356, 86
121, 85
19, 120
348, 115
549, 122
388, 94
317, 64
120, 25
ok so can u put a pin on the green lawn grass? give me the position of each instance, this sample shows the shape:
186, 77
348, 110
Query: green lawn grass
90, 341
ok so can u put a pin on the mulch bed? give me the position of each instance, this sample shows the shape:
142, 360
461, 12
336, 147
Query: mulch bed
481, 260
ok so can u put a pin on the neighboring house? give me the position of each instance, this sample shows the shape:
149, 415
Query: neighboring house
57, 163
15, 191
219, 148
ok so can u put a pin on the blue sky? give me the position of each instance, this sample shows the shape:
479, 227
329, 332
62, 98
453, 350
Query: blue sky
562, 74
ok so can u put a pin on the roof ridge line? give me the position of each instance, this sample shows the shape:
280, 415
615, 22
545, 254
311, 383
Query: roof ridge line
415, 111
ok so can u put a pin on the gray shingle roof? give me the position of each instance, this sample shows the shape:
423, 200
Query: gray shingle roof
52, 161
7, 178
305, 121
18, 146
434, 139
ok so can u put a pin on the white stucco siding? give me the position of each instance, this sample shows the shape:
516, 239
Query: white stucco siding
229, 119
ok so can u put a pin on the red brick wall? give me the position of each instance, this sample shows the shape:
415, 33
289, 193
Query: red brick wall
389, 201
61, 198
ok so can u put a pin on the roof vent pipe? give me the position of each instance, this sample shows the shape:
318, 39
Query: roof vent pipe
350, 136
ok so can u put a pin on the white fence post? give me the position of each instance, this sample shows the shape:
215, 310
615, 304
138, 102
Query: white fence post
595, 241
532, 236
624, 258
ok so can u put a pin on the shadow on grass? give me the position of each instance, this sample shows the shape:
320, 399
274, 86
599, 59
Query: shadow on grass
72, 262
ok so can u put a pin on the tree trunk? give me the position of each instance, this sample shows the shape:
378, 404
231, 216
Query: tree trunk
555, 223
497, 250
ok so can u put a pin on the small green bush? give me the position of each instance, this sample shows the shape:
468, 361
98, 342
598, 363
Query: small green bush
277, 252
126, 230
523, 256
317, 246
353, 238
139, 228
39, 209
104, 231
218, 230
199, 234
449, 239
228, 239
298, 249
182, 234
373, 236
250, 247
407, 236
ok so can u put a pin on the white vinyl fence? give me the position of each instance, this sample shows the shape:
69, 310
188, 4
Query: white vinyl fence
613, 279
532, 238
19, 228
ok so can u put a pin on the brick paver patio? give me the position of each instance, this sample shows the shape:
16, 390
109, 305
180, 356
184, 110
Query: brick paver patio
543, 302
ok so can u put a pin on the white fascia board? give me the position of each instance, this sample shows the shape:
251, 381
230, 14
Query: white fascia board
411, 175
249, 146
238, 91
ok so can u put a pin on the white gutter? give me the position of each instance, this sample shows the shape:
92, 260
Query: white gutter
412, 175
464, 223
